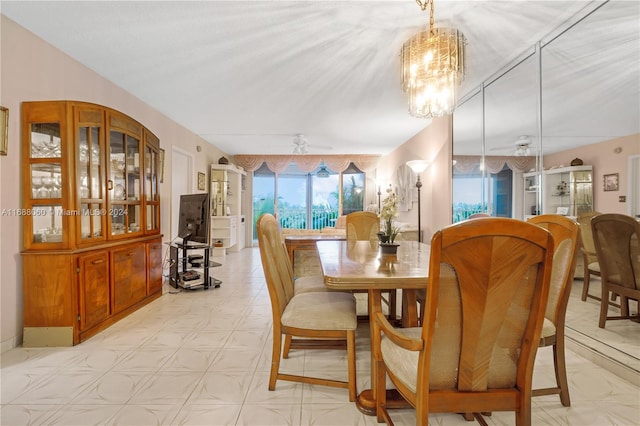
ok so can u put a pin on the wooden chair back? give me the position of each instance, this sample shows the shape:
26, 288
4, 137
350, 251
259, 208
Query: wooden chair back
275, 263
362, 226
486, 298
616, 241
566, 235
586, 237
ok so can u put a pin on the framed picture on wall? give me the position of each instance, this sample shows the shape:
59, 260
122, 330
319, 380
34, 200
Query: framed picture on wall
202, 181
610, 182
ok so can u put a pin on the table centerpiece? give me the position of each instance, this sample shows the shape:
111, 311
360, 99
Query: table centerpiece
388, 211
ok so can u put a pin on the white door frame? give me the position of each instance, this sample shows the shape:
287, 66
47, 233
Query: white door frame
633, 193
181, 183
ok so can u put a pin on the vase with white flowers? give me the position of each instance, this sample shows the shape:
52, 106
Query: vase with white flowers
388, 211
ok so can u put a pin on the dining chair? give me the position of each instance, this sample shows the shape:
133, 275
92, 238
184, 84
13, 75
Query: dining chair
475, 350
588, 249
566, 235
308, 320
364, 226
616, 239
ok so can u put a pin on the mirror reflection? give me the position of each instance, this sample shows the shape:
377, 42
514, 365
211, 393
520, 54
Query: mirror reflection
575, 99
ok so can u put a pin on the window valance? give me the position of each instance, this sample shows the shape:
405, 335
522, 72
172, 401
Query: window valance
493, 164
307, 163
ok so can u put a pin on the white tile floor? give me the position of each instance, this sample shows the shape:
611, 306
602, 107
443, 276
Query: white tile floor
202, 358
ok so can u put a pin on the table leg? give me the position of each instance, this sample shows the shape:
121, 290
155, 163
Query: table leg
409, 308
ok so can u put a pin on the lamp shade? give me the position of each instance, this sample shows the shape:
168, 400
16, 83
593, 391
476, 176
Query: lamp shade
418, 166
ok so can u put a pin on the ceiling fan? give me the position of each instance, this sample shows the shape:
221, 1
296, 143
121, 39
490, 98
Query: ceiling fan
521, 147
300, 144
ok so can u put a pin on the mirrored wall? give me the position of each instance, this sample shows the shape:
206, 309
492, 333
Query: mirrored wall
577, 87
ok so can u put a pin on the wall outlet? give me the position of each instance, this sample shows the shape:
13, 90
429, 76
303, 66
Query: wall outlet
622, 199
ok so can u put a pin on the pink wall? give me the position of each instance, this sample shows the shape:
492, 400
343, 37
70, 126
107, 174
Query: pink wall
432, 144
34, 70
605, 160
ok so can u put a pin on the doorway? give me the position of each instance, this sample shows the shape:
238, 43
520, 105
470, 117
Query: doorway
181, 183
633, 205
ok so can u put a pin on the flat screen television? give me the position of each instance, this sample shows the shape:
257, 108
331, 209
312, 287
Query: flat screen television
193, 223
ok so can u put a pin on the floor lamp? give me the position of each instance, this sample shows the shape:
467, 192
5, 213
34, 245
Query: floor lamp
418, 166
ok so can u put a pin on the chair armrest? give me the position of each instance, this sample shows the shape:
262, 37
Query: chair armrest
395, 336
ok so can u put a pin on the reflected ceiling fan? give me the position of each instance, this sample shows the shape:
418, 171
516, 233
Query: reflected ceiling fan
520, 148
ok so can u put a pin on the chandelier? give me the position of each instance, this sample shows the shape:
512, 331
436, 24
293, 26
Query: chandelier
432, 68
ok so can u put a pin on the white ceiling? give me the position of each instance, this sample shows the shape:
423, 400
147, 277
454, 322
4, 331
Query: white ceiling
248, 76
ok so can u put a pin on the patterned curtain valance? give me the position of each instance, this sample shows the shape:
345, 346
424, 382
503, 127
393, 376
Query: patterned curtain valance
493, 163
307, 163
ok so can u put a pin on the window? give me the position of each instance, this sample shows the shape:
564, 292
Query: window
478, 192
352, 190
307, 200
264, 182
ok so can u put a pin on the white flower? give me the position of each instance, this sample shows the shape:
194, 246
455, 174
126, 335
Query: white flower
389, 208
388, 212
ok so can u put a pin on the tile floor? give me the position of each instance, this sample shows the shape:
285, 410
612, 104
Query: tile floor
202, 358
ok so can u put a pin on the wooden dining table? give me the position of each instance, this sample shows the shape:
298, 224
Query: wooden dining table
295, 243
359, 265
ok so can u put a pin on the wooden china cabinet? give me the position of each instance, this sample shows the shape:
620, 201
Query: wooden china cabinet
91, 209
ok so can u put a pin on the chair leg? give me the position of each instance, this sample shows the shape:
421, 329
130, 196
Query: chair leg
351, 364
381, 391
604, 305
523, 415
624, 306
287, 346
585, 286
560, 368
275, 359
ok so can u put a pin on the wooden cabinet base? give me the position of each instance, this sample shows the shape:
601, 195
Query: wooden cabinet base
84, 335
47, 336
70, 295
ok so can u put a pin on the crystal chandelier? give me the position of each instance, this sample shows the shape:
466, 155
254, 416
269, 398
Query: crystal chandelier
432, 68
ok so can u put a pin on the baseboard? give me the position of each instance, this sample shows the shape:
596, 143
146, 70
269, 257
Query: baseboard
622, 365
11, 343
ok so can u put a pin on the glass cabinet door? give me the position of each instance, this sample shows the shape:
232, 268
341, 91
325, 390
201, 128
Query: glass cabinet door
124, 183
582, 192
45, 207
151, 195
90, 182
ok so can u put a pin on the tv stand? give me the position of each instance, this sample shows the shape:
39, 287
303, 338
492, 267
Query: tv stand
191, 271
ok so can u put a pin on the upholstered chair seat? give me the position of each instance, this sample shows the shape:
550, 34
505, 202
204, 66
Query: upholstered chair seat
321, 311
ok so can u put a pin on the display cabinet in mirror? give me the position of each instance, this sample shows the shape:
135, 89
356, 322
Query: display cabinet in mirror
91, 206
